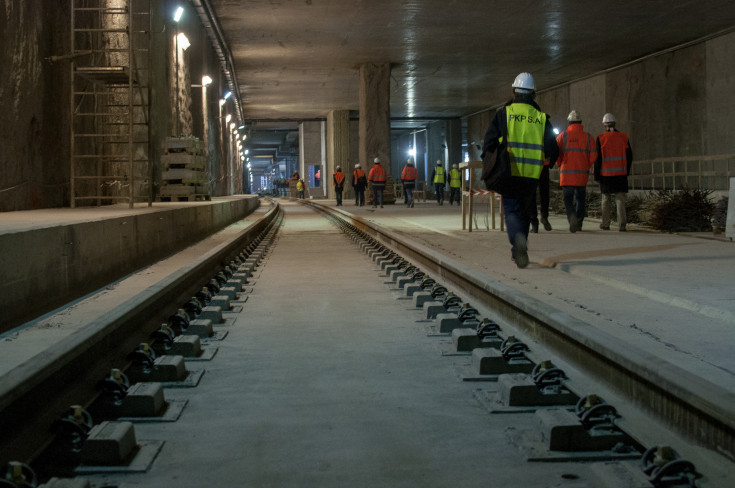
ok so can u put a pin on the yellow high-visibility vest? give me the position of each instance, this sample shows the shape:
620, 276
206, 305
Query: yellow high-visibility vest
526, 127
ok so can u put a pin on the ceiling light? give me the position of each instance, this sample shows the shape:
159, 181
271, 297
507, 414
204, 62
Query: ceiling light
206, 80
227, 95
179, 12
232, 126
221, 102
228, 118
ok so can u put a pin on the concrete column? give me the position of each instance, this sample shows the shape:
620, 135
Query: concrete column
375, 115
311, 143
338, 147
454, 141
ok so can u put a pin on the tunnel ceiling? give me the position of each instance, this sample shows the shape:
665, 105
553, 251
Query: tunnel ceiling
299, 59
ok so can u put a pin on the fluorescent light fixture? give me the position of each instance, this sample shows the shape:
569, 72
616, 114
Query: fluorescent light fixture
228, 118
206, 80
183, 41
179, 12
232, 126
241, 127
227, 95
247, 151
221, 102
556, 131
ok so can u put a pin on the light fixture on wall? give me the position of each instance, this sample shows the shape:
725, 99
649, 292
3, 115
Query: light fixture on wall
228, 118
227, 95
206, 80
179, 12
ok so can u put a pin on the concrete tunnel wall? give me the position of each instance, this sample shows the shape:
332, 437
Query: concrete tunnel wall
674, 105
35, 111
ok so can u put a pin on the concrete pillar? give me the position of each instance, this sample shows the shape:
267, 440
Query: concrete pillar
338, 147
311, 152
454, 141
375, 115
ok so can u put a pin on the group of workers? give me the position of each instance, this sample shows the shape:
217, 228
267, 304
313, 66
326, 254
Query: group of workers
521, 148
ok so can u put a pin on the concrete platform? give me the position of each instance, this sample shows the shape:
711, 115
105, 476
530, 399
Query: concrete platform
670, 294
52, 256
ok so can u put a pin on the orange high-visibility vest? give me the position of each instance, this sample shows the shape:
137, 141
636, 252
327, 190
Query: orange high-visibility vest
613, 145
339, 178
377, 174
409, 173
577, 154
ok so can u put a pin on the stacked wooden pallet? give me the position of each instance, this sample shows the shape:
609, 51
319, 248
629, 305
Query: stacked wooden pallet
184, 177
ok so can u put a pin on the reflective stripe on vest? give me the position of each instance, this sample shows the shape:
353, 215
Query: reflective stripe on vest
526, 127
613, 145
578, 152
439, 175
377, 174
339, 178
455, 178
409, 173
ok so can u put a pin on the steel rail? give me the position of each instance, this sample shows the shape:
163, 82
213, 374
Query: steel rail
34, 395
700, 411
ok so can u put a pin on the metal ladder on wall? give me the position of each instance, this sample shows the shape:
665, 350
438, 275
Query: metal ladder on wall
110, 102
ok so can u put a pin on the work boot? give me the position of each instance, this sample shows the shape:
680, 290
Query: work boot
520, 251
545, 223
573, 224
604, 227
622, 228
534, 226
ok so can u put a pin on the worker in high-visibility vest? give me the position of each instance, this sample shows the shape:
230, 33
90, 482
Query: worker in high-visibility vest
408, 178
521, 138
300, 187
614, 161
438, 177
338, 180
577, 154
455, 182
359, 182
377, 177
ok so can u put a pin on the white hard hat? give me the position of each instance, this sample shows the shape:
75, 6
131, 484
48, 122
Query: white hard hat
339, 168
455, 165
574, 116
376, 160
358, 165
438, 162
608, 118
524, 83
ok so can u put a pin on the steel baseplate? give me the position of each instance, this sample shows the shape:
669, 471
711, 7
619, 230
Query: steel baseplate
145, 454
534, 449
170, 414
218, 335
493, 403
207, 354
191, 380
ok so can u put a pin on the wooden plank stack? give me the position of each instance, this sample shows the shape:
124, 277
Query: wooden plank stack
184, 177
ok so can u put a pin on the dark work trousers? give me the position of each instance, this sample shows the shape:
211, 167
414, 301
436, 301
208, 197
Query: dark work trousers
338, 194
439, 190
359, 196
575, 208
543, 190
518, 214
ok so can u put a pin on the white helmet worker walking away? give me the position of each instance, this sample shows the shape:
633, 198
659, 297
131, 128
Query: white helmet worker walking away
574, 116
608, 118
524, 83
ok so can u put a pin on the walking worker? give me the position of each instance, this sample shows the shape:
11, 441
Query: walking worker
438, 176
359, 182
378, 178
518, 141
300, 187
577, 154
338, 179
543, 194
614, 160
408, 178
455, 182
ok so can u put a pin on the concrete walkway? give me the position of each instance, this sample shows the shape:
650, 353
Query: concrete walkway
671, 295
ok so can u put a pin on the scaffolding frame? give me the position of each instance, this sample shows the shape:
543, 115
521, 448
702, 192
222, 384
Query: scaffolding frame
110, 102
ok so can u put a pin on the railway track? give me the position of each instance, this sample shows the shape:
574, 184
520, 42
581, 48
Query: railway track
72, 369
